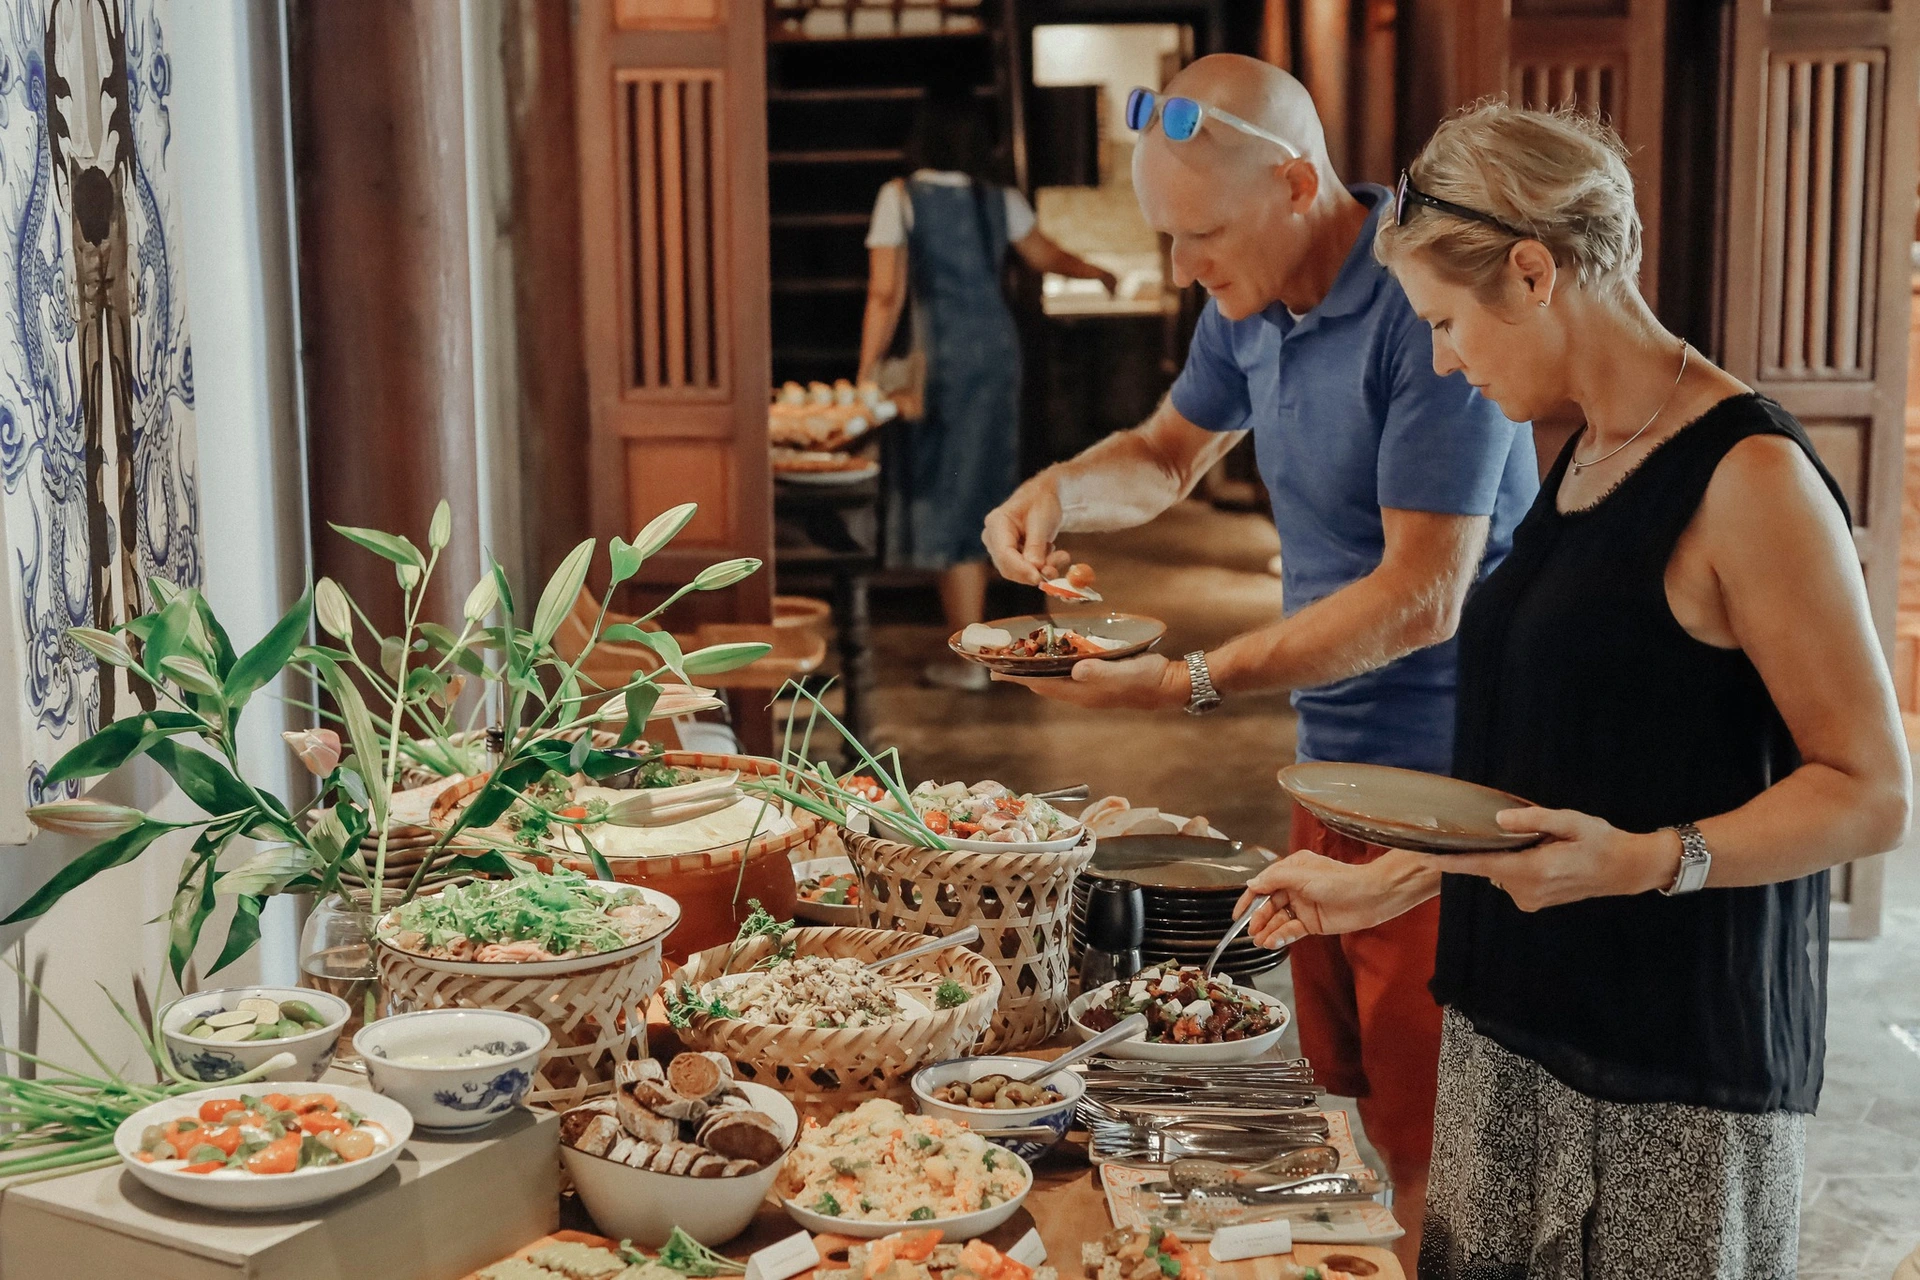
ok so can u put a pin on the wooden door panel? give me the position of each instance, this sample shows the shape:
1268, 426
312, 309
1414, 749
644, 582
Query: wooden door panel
672, 135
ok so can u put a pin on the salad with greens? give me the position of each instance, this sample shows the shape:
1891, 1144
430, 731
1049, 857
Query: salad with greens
532, 917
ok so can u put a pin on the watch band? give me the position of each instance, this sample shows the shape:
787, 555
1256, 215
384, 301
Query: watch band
1203, 697
1695, 859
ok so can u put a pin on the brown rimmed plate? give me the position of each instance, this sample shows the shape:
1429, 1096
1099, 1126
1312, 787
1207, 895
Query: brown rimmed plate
1404, 808
1181, 864
1139, 634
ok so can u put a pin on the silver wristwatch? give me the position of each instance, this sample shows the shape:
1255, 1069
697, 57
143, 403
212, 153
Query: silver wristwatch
1203, 696
1695, 858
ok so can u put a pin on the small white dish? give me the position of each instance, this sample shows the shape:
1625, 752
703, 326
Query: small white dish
1056, 1115
261, 1192
644, 1206
389, 925
960, 1227
453, 1097
215, 1060
1140, 1049
849, 914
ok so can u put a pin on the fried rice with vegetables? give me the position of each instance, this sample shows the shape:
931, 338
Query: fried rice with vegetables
879, 1164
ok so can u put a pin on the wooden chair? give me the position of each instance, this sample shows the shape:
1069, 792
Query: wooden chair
797, 651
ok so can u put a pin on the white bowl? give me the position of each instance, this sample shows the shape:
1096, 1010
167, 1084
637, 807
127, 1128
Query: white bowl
217, 1060
848, 914
644, 1206
261, 1192
541, 968
456, 1096
1056, 1116
1193, 1055
965, 1226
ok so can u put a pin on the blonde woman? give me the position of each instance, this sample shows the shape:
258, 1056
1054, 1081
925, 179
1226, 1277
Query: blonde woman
1676, 662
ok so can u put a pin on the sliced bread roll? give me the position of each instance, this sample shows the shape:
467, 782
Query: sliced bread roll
743, 1135
707, 1165
601, 1132
699, 1075
641, 1118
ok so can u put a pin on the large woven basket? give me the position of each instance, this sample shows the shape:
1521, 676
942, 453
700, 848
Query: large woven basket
824, 1070
711, 886
596, 1012
1021, 902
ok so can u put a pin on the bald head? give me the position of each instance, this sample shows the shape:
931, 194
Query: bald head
1259, 93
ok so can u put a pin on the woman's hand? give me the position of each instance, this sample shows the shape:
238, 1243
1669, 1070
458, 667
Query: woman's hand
1308, 893
1582, 857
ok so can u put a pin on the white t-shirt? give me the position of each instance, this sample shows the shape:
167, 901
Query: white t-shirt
893, 210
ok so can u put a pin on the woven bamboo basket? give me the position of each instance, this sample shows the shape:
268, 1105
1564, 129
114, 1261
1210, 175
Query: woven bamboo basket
823, 1070
1021, 902
597, 1012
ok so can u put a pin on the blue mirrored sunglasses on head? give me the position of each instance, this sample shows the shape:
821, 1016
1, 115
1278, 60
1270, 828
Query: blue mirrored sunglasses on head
1181, 118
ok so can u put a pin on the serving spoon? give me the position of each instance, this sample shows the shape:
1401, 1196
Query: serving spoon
1125, 1029
963, 938
1239, 927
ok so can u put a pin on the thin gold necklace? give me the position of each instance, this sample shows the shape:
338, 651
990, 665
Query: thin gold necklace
1579, 466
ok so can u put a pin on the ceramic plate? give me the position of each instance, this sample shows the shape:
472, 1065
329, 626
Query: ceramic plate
1139, 1049
846, 914
1140, 635
829, 479
966, 1226
1405, 809
1189, 863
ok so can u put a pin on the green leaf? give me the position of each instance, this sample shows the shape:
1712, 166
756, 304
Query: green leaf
243, 933
163, 591
664, 528
361, 734
443, 640
104, 856
220, 648
500, 581
578, 756
640, 700
625, 558
563, 588
623, 633
724, 657
389, 546
440, 528
270, 656
206, 781
119, 742
169, 636
191, 907
267, 871
663, 643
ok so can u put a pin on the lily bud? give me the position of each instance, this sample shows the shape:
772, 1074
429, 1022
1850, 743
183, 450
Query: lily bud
725, 574
331, 609
190, 674
318, 749
482, 599
107, 646
88, 819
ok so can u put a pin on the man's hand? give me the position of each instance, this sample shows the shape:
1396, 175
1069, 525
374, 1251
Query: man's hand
1146, 683
1020, 531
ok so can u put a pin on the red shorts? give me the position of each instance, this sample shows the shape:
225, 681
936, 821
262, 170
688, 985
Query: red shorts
1367, 1022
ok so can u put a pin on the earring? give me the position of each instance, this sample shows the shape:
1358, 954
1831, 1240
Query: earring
1543, 302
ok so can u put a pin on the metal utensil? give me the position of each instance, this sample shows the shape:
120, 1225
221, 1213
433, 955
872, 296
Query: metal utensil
1193, 1172
1318, 1189
1065, 795
1126, 1029
1239, 927
1023, 1133
961, 938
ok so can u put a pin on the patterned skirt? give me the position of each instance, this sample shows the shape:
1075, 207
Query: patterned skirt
1532, 1180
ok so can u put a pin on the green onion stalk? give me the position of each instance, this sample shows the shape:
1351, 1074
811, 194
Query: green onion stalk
55, 1125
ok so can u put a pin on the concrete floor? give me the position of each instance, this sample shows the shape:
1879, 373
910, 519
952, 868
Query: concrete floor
1204, 572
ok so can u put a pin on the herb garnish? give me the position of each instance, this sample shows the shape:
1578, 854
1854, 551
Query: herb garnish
950, 995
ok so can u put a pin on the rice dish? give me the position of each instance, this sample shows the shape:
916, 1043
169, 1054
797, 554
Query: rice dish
879, 1164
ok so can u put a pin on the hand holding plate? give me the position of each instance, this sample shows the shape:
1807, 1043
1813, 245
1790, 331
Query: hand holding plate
1147, 682
1582, 857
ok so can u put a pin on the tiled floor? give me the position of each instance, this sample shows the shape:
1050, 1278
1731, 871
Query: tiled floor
1204, 573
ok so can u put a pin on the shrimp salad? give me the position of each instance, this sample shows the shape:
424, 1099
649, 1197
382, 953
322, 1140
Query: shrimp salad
879, 1164
530, 918
989, 811
269, 1134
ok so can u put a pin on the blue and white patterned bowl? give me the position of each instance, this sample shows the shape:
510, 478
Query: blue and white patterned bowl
215, 1060
1056, 1116
453, 1096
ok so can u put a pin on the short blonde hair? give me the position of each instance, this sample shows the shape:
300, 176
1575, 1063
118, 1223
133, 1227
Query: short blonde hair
1559, 176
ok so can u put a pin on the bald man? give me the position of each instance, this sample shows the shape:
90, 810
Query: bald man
1393, 489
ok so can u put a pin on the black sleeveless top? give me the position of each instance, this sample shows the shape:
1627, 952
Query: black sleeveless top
1580, 690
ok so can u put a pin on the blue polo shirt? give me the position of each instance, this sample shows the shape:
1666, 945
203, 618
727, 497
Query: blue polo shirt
1348, 417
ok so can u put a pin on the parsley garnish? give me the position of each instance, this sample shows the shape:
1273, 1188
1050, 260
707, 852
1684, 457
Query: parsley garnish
951, 995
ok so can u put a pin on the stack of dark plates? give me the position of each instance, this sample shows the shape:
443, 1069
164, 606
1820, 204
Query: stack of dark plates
1190, 884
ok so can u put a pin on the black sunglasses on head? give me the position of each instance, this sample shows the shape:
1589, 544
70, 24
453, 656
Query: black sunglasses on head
1407, 197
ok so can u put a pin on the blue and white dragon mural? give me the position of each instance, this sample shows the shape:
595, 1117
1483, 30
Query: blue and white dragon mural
97, 449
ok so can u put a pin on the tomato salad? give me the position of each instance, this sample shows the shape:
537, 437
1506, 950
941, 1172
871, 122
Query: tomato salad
268, 1134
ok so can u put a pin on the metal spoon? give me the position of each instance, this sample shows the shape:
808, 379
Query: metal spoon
962, 938
1125, 1029
1065, 795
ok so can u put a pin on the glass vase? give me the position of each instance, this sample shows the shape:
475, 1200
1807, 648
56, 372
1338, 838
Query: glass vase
336, 956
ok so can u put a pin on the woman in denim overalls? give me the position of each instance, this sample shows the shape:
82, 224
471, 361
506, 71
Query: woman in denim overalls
945, 231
